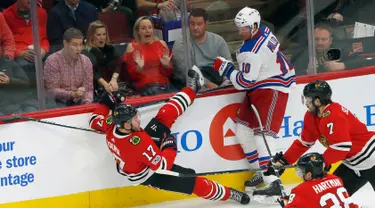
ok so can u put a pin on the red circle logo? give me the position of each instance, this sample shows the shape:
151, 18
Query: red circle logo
222, 133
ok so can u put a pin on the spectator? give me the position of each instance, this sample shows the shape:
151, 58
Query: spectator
5, 4
107, 64
18, 17
152, 7
114, 6
16, 97
323, 42
205, 47
67, 14
68, 74
357, 11
148, 60
7, 45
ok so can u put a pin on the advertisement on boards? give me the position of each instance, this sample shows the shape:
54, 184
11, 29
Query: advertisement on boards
41, 160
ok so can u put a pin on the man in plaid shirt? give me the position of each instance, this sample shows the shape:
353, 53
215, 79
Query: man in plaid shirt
68, 74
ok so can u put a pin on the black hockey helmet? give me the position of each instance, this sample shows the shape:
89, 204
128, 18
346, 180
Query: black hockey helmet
313, 163
123, 113
318, 89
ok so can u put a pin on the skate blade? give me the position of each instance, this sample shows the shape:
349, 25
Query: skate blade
265, 199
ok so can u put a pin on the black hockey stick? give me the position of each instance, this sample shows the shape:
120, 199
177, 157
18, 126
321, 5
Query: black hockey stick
25, 118
283, 192
183, 175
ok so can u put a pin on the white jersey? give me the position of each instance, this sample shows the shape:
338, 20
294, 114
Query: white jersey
262, 65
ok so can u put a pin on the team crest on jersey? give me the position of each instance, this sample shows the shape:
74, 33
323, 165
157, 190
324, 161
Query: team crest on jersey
109, 120
135, 140
325, 114
323, 140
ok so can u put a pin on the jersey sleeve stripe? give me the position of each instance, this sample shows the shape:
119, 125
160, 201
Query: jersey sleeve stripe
93, 117
242, 81
343, 146
306, 144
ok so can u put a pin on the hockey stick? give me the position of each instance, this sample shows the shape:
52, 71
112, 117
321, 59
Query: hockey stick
183, 175
283, 192
25, 118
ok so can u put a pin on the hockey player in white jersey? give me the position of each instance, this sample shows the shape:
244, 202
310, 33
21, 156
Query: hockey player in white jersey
268, 77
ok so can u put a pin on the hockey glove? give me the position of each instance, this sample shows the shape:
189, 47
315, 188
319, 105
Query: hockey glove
111, 100
279, 161
223, 66
327, 168
283, 201
169, 142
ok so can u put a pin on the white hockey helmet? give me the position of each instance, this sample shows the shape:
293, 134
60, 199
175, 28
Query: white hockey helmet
247, 17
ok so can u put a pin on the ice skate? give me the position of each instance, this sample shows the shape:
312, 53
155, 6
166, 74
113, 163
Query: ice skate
255, 181
272, 189
239, 196
195, 78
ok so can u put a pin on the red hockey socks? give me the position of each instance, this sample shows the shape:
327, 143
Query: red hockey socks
211, 190
176, 106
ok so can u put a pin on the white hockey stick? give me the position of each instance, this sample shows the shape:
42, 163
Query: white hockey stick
283, 192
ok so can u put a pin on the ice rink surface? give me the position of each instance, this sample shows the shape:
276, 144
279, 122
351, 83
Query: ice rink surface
364, 197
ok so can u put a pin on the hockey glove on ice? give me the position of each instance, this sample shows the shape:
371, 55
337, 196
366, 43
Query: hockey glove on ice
278, 160
283, 201
169, 142
223, 66
111, 100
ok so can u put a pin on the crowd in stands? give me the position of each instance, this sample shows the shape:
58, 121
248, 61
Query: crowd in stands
86, 52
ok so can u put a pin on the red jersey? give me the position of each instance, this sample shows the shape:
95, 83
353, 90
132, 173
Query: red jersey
136, 154
344, 135
326, 192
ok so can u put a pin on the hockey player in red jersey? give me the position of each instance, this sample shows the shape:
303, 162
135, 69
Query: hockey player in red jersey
345, 137
318, 189
142, 153
268, 77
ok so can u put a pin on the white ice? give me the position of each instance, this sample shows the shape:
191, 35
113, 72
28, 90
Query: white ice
364, 197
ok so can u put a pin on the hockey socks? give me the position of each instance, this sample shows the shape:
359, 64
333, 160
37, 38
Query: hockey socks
180, 101
211, 190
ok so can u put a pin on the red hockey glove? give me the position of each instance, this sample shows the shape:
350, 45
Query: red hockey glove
223, 66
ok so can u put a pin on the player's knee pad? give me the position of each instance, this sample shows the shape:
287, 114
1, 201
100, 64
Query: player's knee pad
245, 136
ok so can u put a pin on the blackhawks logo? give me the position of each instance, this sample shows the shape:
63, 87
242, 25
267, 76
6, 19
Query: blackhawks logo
135, 140
109, 120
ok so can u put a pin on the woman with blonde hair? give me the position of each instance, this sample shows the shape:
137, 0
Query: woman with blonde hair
106, 64
148, 60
